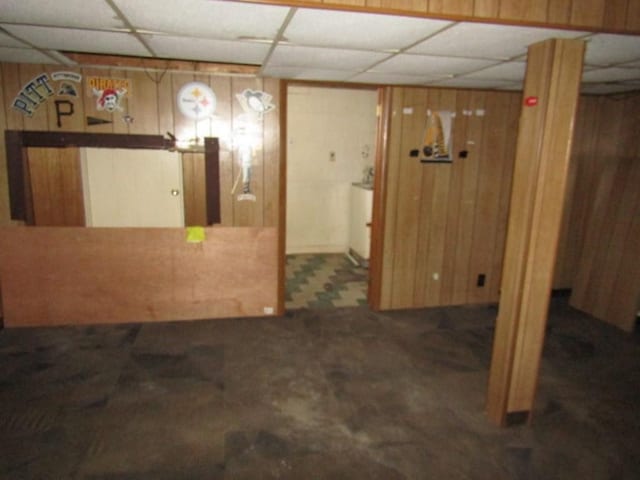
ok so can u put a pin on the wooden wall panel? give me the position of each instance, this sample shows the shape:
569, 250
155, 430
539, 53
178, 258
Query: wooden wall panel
222, 85
152, 105
633, 16
4, 174
194, 190
443, 221
615, 14
12, 86
605, 212
271, 162
524, 11
390, 201
404, 5
486, 8
451, 7
559, 11
56, 185
410, 196
91, 275
542, 157
142, 104
589, 13
247, 212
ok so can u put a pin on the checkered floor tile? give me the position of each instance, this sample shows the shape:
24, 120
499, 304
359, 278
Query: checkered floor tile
324, 281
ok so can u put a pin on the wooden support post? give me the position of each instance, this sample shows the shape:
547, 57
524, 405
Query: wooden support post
545, 133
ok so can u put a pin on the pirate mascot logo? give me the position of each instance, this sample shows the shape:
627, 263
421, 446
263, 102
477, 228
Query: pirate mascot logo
109, 99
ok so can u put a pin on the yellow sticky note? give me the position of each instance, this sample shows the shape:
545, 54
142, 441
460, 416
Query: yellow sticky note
195, 234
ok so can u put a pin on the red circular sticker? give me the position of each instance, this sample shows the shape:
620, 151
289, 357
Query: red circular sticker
531, 101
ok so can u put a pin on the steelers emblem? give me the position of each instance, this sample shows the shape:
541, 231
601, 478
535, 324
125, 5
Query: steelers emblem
196, 101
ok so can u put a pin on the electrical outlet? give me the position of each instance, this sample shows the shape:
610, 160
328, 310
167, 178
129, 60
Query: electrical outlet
436, 276
268, 310
481, 279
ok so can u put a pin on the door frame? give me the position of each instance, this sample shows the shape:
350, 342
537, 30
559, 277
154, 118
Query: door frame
383, 115
20, 195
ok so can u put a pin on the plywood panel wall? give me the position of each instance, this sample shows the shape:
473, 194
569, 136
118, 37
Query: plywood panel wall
445, 223
113, 275
605, 215
608, 15
152, 105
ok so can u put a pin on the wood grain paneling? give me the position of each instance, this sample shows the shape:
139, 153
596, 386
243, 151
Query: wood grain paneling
486, 8
152, 106
559, 11
443, 221
633, 16
587, 13
537, 200
402, 5
91, 275
56, 186
605, 211
392, 189
195, 201
615, 14
524, 11
451, 7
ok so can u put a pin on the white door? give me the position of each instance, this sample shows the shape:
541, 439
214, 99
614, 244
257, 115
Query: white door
132, 187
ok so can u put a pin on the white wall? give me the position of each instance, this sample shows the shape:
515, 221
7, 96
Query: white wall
321, 121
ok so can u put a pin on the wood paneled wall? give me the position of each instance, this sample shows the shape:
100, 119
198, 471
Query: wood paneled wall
603, 238
609, 15
445, 224
152, 104
58, 275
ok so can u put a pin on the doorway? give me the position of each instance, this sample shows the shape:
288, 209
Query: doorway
331, 135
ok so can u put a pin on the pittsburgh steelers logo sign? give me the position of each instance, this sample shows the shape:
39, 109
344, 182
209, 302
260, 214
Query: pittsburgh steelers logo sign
196, 101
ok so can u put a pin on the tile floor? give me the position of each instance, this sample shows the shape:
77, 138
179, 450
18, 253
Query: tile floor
326, 394
324, 281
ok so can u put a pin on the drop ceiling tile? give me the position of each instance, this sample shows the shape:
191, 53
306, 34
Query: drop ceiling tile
79, 40
9, 41
68, 13
482, 40
608, 49
427, 65
323, 58
207, 19
464, 82
608, 88
390, 79
23, 55
208, 50
513, 71
358, 31
611, 74
304, 73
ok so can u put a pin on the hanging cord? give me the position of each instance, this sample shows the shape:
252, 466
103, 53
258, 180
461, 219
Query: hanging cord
157, 78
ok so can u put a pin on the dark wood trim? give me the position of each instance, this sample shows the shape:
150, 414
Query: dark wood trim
282, 200
16, 174
212, 179
379, 199
18, 170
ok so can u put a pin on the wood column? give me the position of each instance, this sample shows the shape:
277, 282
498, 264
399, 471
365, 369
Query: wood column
545, 134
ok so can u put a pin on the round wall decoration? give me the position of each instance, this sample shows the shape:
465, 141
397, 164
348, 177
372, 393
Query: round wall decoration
196, 101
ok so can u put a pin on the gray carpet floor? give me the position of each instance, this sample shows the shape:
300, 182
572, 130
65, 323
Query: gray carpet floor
317, 394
